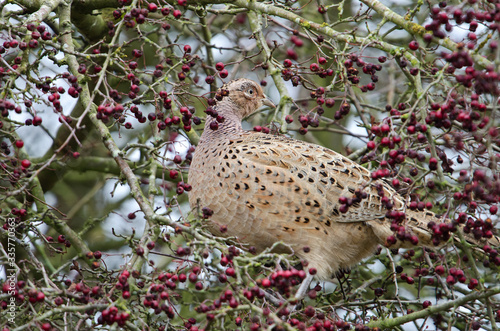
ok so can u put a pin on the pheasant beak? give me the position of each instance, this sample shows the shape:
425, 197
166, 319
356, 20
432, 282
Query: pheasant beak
266, 101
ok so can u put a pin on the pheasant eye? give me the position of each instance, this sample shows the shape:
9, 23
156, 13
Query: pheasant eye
250, 93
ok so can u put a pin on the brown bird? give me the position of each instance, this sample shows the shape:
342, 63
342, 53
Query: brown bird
266, 189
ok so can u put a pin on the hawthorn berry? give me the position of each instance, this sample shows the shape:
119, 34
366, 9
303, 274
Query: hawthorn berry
413, 45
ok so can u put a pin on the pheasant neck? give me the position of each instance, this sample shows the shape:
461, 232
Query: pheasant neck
230, 127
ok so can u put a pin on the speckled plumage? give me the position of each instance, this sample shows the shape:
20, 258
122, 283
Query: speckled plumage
268, 188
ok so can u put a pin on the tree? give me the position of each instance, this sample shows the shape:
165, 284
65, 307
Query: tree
102, 103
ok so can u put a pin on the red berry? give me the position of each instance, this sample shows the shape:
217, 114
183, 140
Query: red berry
193, 277
433, 163
493, 209
330, 103
222, 278
37, 120
473, 283
219, 66
40, 296
413, 45
297, 41
25, 163
230, 272
223, 73
291, 54
152, 7
214, 125
385, 141
233, 303
19, 143
177, 14
177, 159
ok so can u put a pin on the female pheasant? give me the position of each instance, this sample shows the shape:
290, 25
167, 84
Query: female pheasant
266, 189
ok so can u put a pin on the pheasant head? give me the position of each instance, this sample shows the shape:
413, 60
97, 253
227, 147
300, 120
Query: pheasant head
244, 97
